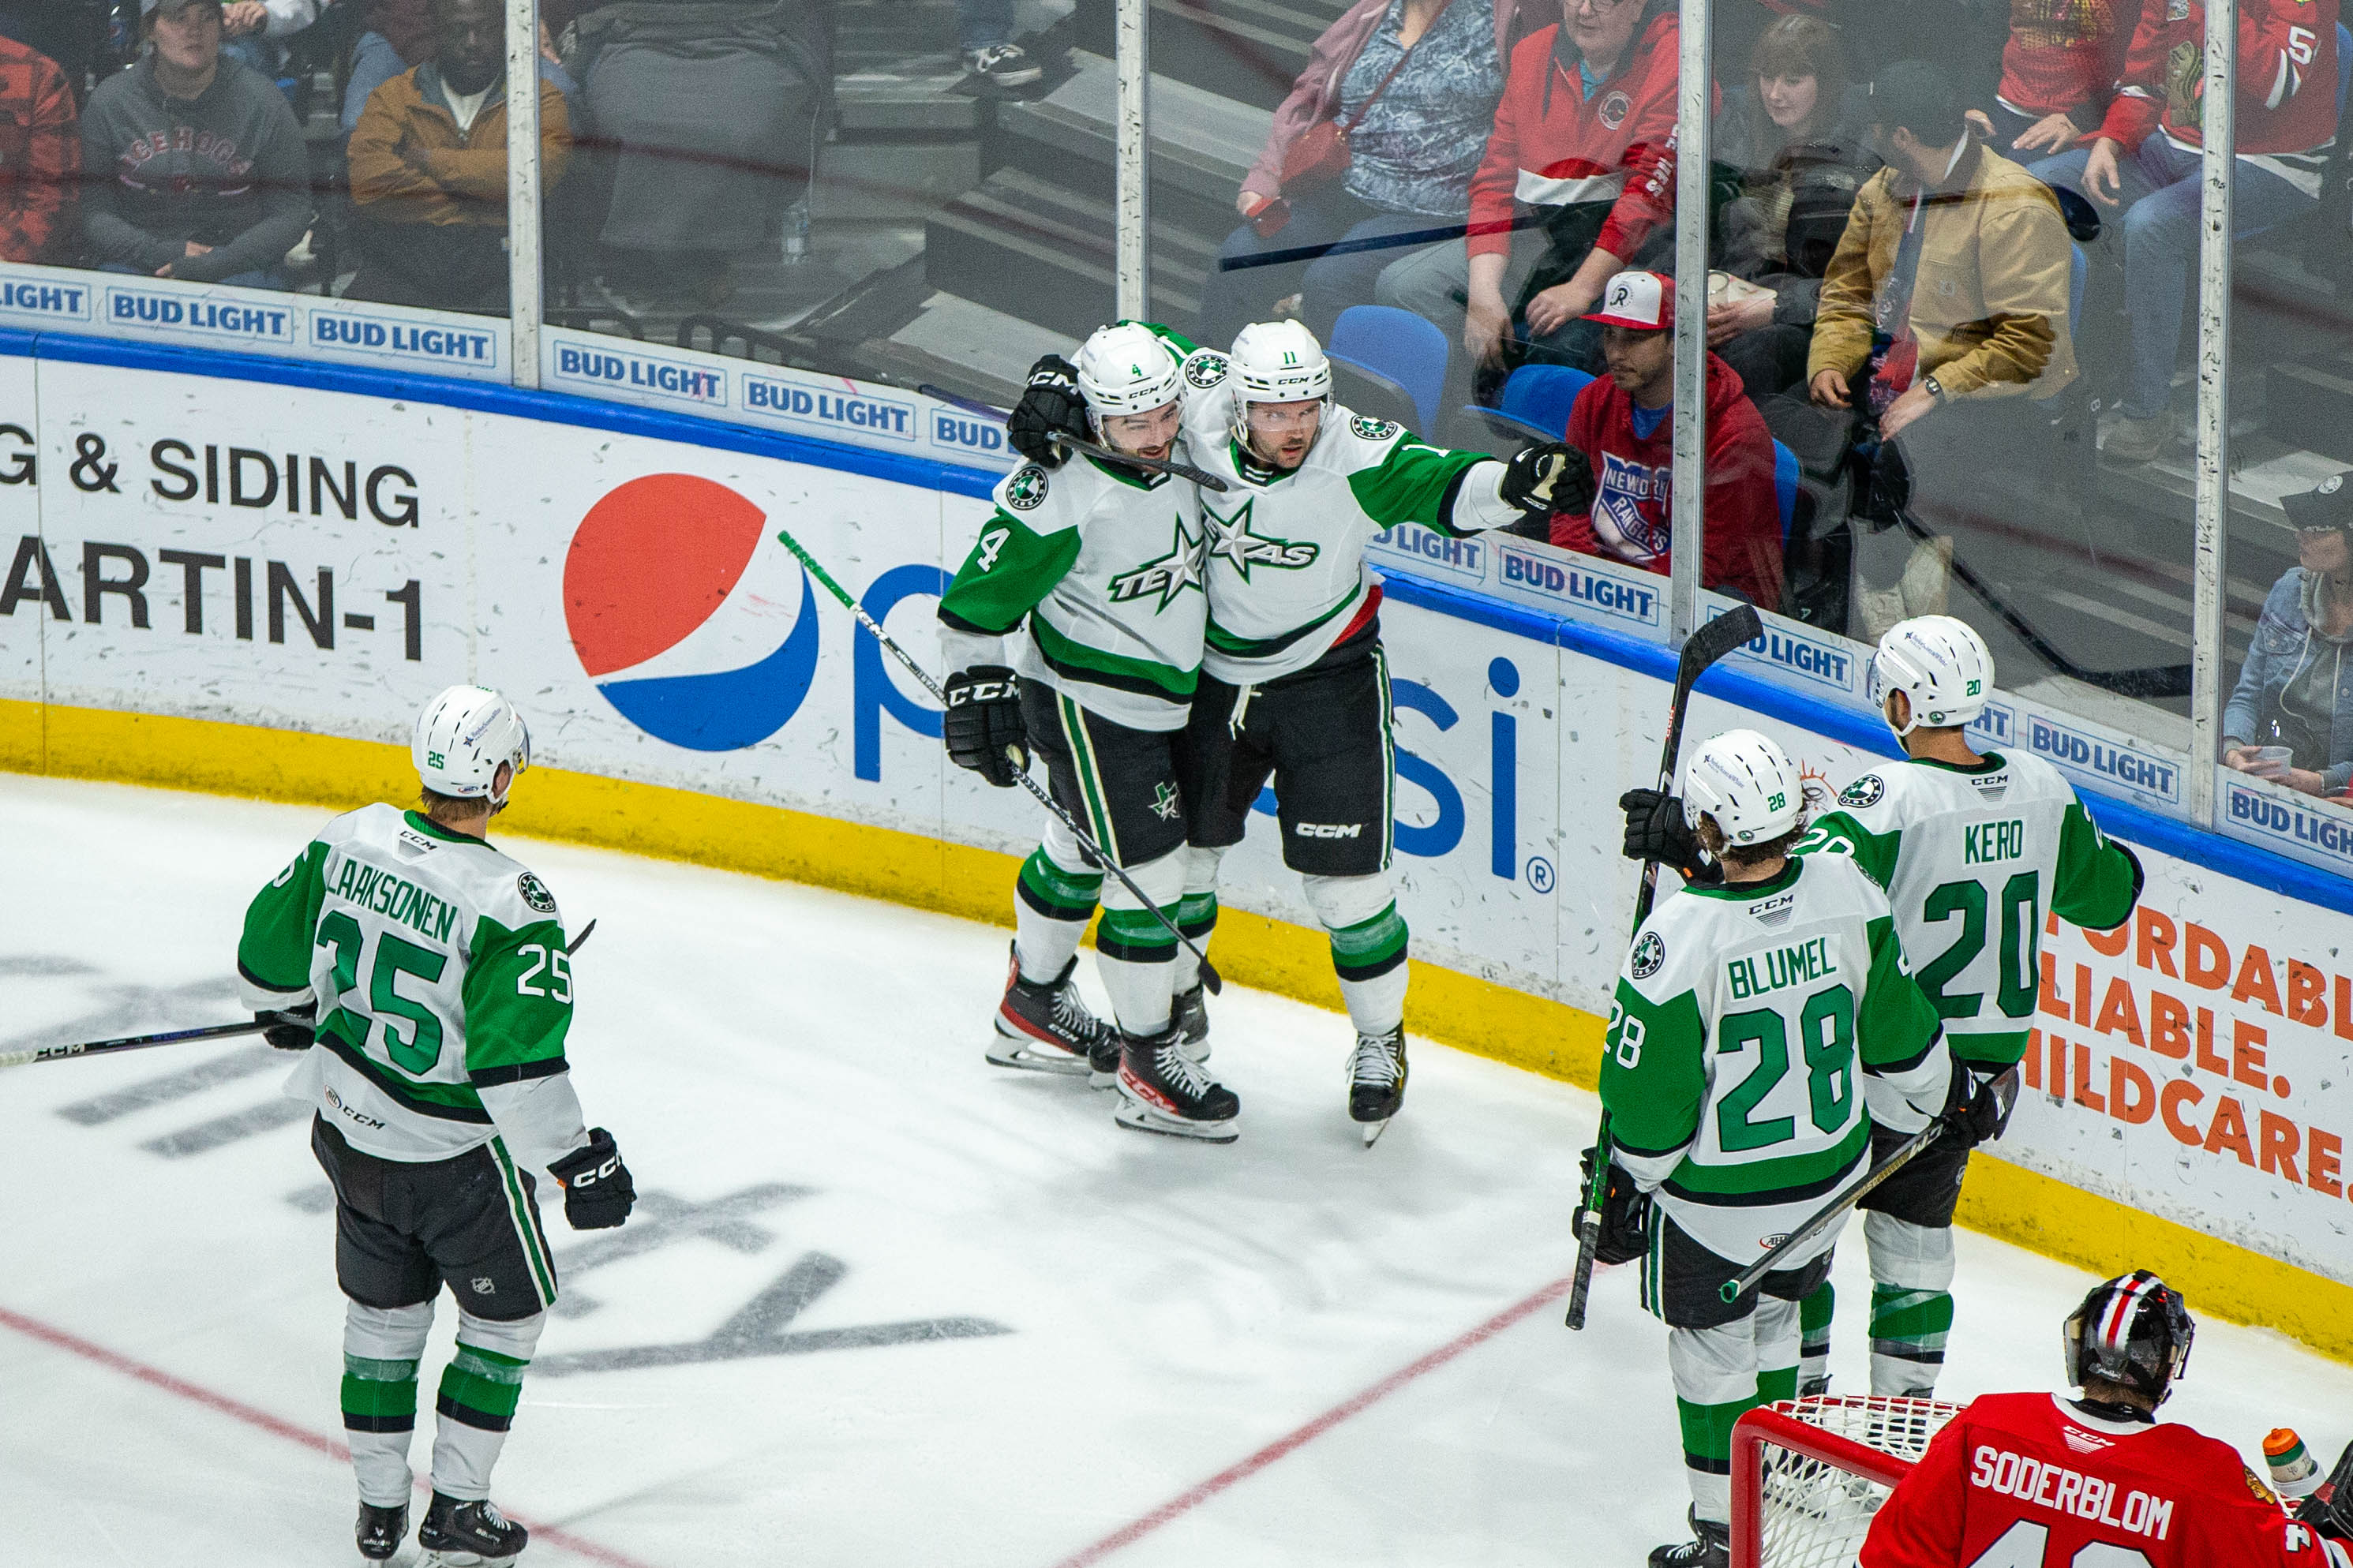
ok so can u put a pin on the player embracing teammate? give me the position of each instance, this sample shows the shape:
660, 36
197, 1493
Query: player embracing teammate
1292, 684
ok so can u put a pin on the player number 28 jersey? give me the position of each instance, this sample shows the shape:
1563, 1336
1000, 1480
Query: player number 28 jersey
443, 989
1972, 860
1747, 1017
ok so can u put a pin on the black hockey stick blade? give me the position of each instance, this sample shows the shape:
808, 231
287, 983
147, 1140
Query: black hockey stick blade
577, 942
1711, 642
1201, 477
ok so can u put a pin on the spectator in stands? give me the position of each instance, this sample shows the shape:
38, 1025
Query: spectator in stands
1623, 422
2144, 159
430, 168
257, 31
985, 38
1942, 322
2059, 71
192, 164
713, 106
1798, 182
1963, 38
396, 35
1576, 184
2295, 689
1412, 86
40, 154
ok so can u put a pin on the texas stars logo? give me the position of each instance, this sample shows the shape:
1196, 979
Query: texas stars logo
1167, 576
1025, 490
1374, 429
1232, 538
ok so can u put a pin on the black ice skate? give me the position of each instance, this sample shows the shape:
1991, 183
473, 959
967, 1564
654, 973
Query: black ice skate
1043, 1026
1376, 1081
1189, 1011
381, 1531
1162, 1090
461, 1534
1710, 1548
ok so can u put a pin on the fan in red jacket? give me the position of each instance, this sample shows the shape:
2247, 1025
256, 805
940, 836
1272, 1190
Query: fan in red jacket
1624, 423
2031, 1478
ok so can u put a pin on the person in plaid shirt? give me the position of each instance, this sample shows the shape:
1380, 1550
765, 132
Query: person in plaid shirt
40, 152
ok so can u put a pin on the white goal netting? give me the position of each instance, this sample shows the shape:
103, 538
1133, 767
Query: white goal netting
1812, 1507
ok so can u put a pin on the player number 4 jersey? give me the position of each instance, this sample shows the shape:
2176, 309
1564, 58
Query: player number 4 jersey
444, 992
1748, 1019
1973, 859
2023, 1480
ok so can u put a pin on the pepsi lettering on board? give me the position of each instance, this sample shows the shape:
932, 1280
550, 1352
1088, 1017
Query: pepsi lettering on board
642, 373
147, 308
2104, 760
2325, 837
425, 342
1574, 582
852, 413
28, 297
1465, 558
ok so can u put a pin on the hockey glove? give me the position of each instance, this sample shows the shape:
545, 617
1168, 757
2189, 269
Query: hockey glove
291, 1028
1977, 1105
1540, 481
597, 1190
1656, 829
1625, 1215
983, 724
2329, 1509
1052, 406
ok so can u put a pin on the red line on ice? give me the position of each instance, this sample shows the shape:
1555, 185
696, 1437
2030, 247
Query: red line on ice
238, 1410
1290, 1442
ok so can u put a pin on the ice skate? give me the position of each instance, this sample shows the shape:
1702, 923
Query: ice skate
463, 1534
1044, 1026
380, 1531
1711, 1547
1376, 1081
1189, 1011
1162, 1090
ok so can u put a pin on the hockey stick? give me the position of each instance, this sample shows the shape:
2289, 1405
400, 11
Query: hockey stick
1701, 648
1201, 477
136, 1042
1209, 976
1862, 1187
577, 942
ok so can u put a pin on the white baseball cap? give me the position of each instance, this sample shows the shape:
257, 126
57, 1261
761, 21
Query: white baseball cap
1642, 300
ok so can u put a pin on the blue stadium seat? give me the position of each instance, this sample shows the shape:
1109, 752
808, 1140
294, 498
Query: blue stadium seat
1397, 345
1536, 401
1785, 488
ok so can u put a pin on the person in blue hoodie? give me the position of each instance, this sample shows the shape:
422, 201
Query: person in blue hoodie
2295, 688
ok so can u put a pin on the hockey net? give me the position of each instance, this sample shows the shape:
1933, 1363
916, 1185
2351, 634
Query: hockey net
1808, 1474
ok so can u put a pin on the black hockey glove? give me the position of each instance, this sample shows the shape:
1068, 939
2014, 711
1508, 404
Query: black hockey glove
2329, 1511
1656, 829
291, 1028
1977, 1105
597, 1190
1625, 1214
983, 724
1052, 407
1540, 481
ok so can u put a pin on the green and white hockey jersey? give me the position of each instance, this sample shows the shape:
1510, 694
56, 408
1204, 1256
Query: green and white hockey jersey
1972, 860
443, 989
1285, 551
1748, 1020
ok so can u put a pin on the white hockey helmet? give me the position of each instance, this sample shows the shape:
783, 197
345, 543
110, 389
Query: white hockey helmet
1126, 369
1275, 361
1747, 783
462, 737
1940, 664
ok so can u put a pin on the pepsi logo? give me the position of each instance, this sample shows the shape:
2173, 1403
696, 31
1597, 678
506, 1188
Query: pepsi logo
694, 622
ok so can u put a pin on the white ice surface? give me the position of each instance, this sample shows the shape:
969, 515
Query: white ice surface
1172, 1307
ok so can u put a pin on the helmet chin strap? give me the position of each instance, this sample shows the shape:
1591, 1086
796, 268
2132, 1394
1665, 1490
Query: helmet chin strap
1901, 729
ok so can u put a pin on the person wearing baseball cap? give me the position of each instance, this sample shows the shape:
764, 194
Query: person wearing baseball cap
152, 202
2290, 718
1623, 424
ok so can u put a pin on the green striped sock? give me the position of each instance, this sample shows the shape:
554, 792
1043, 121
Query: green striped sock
481, 1388
1056, 891
379, 1396
1372, 948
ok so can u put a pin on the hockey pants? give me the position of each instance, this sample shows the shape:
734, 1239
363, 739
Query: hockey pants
480, 1389
1911, 1307
1359, 914
1721, 1374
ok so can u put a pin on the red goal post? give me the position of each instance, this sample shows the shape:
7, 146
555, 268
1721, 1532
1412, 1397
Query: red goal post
1808, 1474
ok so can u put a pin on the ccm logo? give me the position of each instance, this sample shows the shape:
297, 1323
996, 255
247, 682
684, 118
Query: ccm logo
590, 1178
1327, 830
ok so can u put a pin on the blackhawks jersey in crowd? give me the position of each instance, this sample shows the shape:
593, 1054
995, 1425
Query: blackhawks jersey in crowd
1973, 859
2026, 1479
1105, 564
1285, 551
443, 990
1747, 1017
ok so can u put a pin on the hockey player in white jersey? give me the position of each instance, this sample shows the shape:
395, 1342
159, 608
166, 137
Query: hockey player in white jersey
1974, 850
1753, 1018
1294, 684
1102, 562
427, 979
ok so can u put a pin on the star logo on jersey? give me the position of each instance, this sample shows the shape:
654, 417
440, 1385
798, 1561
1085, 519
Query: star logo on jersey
534, 893
1167, 576
1232, 538
1864, 791
1164, 802
1650, 955
1374, 429
1204, 369
1025, 490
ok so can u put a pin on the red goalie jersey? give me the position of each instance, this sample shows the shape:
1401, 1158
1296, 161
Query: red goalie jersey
2022, 1480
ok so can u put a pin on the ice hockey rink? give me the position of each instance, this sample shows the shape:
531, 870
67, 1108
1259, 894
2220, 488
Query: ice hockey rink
880, 1303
